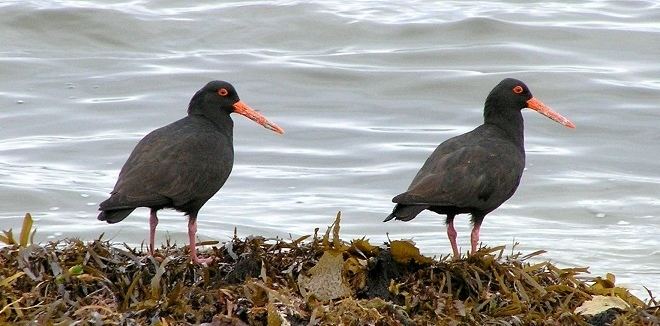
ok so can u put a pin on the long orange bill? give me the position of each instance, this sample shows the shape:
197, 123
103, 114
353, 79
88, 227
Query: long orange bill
541, 108
244, 109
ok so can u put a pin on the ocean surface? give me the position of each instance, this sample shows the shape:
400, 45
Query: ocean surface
365, 91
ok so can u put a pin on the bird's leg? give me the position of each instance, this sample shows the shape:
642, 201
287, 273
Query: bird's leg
451, 234
192, 231
153, 222
474, 236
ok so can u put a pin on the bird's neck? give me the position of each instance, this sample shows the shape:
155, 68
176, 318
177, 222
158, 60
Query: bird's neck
509, 121
220, 120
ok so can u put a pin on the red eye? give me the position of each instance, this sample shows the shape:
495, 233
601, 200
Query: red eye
223, 92
518, 89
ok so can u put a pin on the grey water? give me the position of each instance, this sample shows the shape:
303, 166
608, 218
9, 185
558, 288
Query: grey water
365, 91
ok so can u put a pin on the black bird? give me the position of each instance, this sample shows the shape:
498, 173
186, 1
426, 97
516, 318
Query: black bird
477, 171
182, 165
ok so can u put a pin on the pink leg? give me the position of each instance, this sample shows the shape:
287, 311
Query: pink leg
451, 234
153, 222
474, 237
192, 231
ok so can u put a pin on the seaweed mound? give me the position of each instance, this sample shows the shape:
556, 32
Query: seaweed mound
312, 280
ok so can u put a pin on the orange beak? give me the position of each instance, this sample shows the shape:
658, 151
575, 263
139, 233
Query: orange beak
541, 108
243, 109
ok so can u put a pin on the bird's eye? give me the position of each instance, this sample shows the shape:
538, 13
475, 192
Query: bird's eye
223, 92
518, 89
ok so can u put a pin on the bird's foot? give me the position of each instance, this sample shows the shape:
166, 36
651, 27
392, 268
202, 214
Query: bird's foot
202, 261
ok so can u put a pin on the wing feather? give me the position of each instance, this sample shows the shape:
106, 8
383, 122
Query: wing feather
462, 173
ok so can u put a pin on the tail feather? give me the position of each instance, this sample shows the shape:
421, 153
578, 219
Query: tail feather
405, 212
114, 216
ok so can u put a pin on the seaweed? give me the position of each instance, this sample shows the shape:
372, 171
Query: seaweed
311, 280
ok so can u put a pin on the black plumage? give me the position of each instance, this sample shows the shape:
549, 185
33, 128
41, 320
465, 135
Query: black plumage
475, 172
182, 165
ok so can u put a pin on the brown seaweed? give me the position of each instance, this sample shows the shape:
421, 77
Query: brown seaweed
312, 280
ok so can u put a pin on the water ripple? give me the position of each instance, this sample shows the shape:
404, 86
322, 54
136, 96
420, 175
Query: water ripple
365, 90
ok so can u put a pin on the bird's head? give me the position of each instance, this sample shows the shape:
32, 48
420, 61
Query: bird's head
221, 97
513, 94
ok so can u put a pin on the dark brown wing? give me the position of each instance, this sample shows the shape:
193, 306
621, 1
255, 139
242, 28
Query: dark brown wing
475, 170
171, 167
